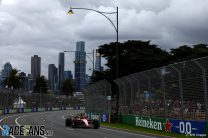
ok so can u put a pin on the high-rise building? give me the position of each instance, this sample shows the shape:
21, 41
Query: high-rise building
68, 75
98, 62
52, 77
35, 66
31, 83
5, 72
25, 84
61, 69
80, 66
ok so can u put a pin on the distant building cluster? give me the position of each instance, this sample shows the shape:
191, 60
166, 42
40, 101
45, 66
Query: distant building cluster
56, 75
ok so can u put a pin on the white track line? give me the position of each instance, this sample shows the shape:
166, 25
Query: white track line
1, 126
127, 132
70, 129
24, 128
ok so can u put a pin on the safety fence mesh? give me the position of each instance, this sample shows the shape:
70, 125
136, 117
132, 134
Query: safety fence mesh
176, 91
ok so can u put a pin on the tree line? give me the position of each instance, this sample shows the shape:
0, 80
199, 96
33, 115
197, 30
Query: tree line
15, 81
136, 56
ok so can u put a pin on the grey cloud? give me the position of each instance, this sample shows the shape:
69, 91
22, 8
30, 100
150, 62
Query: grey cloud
42, 27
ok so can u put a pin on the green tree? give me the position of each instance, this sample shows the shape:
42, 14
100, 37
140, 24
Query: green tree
185, 52
67, 87
181, 53
134, 56
200, 50
41, 85
13, 80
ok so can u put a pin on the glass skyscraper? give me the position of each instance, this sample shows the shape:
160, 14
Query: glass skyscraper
98, 62
35, 66
52, 77
61, 69
68, 75
80, 66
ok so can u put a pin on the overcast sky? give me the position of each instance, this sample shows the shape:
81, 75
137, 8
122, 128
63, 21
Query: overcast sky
42, 27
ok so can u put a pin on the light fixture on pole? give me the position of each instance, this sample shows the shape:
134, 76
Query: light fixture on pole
70, 11
117, 51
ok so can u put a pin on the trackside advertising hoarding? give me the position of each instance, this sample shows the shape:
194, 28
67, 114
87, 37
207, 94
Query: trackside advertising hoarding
190, 128
101, 117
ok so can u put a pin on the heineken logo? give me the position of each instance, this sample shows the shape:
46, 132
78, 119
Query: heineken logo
168, 126
148, 123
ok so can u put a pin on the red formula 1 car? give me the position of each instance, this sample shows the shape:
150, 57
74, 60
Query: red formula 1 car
81, 121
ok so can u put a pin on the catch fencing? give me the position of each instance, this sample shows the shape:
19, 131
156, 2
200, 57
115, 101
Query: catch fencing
98, 97
176, 91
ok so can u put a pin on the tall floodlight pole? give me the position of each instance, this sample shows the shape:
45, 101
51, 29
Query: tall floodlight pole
117, 45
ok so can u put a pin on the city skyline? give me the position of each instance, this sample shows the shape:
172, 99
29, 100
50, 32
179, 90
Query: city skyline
25, 32
36, 64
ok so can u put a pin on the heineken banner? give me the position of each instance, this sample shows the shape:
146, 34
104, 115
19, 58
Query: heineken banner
190, 128
152, 123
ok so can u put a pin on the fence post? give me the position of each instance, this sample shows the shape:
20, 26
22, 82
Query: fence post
124, 90
149, 90
181, 89
139, 91
96, 97
163, 90
119, 83
131, 90
107, 101
204, 86
91, 99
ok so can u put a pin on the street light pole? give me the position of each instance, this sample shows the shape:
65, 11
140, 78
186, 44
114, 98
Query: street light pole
117, 44
117, 69
115, 27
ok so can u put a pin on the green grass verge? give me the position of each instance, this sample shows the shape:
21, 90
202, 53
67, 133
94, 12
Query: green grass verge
131, 128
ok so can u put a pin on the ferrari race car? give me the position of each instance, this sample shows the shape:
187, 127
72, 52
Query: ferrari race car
81, 121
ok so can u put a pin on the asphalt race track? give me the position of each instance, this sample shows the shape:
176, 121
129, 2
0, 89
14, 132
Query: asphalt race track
56, 121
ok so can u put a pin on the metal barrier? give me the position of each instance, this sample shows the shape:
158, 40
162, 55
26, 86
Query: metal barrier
174, 91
